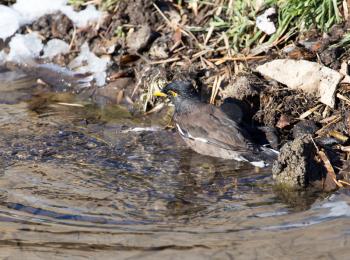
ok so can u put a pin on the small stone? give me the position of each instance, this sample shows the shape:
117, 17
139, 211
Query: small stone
137, 40
304, 127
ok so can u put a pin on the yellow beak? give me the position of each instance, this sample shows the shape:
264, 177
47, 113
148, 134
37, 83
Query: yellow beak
159, 94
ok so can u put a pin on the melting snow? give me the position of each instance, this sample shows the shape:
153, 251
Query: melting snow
83, 18
9, 21
55, 47
87, 61
24, 46
26, 11
30, 10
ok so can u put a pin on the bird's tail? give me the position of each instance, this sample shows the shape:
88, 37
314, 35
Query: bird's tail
265, 157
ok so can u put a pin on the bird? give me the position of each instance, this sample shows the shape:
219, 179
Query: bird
209, 131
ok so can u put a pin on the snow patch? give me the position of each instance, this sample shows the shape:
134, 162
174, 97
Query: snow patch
9, 21
55, 47
24, 46
30, 10
83, 18
87, 61
27, 11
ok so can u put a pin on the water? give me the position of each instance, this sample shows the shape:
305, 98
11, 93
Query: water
94, 182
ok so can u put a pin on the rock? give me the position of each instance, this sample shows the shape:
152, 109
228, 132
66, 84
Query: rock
331, 57
296, 166
241, 87
310, 77
304, 127
139, 39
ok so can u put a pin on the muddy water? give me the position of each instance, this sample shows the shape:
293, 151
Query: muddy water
94, 182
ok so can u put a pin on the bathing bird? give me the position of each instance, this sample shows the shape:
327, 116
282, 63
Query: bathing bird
207, 130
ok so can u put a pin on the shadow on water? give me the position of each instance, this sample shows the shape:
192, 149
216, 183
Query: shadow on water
87, 181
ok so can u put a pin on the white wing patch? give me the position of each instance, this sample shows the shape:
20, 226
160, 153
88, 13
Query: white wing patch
260, 164
186, 134
180, 131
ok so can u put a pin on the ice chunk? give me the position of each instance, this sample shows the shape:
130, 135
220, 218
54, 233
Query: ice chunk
24, 46
83, 18
55, 47
87, 61
9, 21
31, 10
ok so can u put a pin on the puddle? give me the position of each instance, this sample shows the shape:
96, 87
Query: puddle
83, 182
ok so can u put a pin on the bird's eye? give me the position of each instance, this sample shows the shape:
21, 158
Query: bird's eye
173, 93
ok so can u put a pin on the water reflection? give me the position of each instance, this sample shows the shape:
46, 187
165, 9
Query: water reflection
81, 182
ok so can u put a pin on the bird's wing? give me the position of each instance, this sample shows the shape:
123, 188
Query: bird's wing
209, 124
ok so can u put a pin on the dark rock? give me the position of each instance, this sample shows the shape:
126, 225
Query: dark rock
304, 127
296, 166
330, 57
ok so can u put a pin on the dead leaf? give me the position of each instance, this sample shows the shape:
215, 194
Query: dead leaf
283, 121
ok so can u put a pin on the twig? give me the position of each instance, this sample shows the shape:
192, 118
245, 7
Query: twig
319, 132
339, 136
164, 61
210, 32
163, 15
70, 104
212, 91
329, 168
344, 182
344, 98
309, 112
73, 37
244, 58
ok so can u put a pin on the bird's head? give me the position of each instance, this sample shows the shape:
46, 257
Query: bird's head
178, 89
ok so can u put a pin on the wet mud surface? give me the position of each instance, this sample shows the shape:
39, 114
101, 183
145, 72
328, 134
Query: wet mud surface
87, 182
